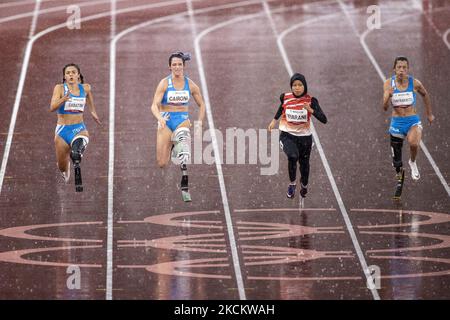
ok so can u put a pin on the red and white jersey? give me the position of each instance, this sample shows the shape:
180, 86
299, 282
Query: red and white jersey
295, 118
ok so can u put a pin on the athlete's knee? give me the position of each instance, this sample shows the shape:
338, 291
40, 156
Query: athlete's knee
182, 144
161, 163
414, 143
293, 158
78, 146
396, 148
291, 153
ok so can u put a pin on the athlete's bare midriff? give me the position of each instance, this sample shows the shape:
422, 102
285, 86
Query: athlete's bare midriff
168, 108
68, 119
404, 111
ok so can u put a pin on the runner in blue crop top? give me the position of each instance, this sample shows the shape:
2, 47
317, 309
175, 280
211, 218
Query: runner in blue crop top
69, 100
170, 107
400, 90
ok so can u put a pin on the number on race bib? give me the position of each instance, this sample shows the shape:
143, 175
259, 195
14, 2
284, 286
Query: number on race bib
402, 99
75, 104
297, 116
177, 97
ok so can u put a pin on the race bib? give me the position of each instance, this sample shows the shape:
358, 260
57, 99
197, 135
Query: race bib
75, 104
297, 116
178, 97
402, 99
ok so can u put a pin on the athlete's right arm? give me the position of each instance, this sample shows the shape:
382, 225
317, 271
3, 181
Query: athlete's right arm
157, 98
277, 115
58, 97
387, 94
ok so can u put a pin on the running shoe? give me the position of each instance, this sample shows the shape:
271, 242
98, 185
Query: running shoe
291, 191
414, 170
303, 191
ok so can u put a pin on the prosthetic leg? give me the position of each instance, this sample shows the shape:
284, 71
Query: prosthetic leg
182, 152
78, 146
396, 148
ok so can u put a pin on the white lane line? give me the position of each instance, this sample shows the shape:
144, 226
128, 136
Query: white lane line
26, 61
113, 48
50, 10
113, 17
226, 207
23, 73
326, 165
362, 40
18, 3
445, 38
191, 18
19, 91
204, 85
429, 19
110, 224
34, 21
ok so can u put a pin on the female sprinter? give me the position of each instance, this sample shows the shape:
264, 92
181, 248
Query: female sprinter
401, 90
71, 135
296, 108
170, 107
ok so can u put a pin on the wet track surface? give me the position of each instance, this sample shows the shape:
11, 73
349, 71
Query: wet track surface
240, 239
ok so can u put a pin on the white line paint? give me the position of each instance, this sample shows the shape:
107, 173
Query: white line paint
34, 20
19, 96
326, 165
204, 85
228, 220
110, 224
23, 73
113, 58
445, 38
26, 60
50, 10
113, 18
18, 3
362, 39
191, 18
190, 12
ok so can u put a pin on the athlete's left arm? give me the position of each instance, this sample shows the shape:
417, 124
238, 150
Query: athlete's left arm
90, 102
198, 99
316, 111
418, 86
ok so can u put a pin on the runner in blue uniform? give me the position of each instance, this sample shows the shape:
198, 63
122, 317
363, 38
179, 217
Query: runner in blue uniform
71, 136
401, 91
170, 107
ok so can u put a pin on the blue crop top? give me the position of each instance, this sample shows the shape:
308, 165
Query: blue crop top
176, 97
75, 104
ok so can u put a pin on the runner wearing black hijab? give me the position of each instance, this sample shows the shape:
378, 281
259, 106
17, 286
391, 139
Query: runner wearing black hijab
296, 108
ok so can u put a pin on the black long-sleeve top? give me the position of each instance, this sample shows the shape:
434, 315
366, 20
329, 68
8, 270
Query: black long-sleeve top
318, 113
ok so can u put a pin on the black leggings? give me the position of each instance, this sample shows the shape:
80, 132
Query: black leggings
297, 149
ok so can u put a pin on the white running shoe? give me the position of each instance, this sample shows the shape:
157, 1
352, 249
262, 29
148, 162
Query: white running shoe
66, 175
414, 170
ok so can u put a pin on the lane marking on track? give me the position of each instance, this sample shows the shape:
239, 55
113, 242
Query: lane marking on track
326, 165
26, 61
445, 38
204, 86
34, 21
19, 91
51, 10
362, 40
228, 220
18, 3
113, 57
211, 124
110, 224
23, 72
